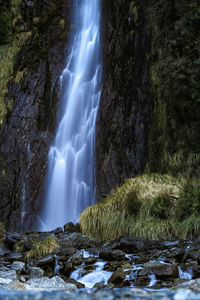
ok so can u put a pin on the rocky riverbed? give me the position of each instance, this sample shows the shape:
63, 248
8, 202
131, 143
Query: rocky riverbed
65, 264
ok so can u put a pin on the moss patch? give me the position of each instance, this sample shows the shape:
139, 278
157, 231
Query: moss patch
7, 60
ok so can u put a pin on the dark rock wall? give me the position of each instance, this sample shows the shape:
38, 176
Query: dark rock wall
125, 106
30, 123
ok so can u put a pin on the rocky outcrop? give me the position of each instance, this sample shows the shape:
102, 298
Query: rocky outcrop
124, 111
30, 122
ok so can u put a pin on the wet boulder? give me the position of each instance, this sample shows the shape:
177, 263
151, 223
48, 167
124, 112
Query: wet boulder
70, 227
110, 254
161, 271
76, 259
118, 279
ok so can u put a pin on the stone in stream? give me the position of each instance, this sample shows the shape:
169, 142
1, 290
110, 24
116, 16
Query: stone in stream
7, 276
3, 250
132, 244
49, 259
18, 265
11, 240
110, 254
35, 272
161, 271
15, 256
49, 284
66, 269
118, 279
90, 260
76, 259
16, 285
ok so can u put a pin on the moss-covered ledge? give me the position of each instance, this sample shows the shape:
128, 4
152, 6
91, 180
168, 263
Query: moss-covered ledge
153, 206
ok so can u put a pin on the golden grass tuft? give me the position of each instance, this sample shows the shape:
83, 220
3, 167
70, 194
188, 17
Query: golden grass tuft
110, 218
42, 248
2, 230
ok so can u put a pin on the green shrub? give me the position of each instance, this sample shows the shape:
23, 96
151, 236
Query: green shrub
161, 207
188, 203
6, 35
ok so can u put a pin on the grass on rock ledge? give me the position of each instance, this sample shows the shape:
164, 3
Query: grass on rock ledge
152, 206
39, 248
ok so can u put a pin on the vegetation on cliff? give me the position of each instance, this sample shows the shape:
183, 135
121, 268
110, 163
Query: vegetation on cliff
173, 143
152, 206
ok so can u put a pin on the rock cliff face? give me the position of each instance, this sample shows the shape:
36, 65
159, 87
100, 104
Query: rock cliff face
124, 112
30, 123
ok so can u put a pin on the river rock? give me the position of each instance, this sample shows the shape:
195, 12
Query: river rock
162, 271
81, 241
11, 240
90, 260
7, 276
117, 278
15, 256
76, 259
109, 254
70, 227
191, 284
35, 272
3, 250
16, 285
66, 269
132, 244
45, 260
18, 265
49, 284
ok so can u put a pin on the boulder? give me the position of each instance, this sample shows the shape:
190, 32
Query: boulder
45, 260
117, 278
90, 260
16, 285
70, 227
18, 265
7, 276
162, 271
50, 284
35, 272
110, 254
76, 259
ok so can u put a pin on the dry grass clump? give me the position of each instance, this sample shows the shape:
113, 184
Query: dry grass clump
142, 206
42, 248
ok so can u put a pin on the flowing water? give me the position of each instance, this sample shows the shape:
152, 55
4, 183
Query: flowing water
71, 160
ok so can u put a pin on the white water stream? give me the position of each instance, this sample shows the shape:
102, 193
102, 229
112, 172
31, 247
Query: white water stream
71, 160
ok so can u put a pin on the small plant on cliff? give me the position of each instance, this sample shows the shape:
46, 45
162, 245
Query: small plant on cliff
2, 230
42, 248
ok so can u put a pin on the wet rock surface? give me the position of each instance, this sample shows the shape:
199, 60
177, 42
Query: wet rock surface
142, 263
30, 123
125, 106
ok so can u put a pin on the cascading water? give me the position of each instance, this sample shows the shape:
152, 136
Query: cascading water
71, 176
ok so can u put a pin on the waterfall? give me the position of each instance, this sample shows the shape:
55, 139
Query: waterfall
71, 159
